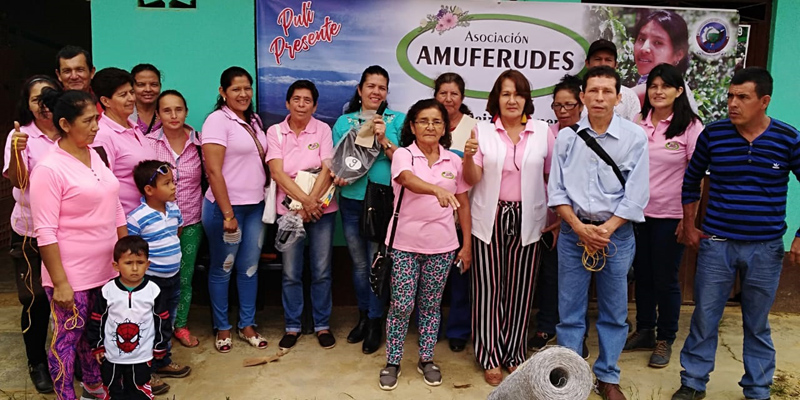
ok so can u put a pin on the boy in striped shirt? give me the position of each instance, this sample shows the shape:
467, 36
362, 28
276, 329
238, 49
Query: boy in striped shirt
158, 221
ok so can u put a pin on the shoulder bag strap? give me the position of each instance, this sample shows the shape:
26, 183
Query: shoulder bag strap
597, 149
396, 214
261, 151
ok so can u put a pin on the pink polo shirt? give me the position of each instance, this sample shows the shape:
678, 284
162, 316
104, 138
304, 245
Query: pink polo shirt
300, 152
126, 148
39, 145
188, 170
242, 167
511, 184
77, 207
424, 226
668, 161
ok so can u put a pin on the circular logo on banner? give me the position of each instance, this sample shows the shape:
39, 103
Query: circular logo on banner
448, 175
352, 163
313, 146
713, 35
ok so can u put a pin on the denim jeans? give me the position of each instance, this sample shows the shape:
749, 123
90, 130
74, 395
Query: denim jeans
171, 291
243, 257
719, 262
656, 265
612, 298
361, 252
547, 287
320, 243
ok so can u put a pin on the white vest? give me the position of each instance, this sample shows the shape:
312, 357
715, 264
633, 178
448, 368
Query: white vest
486, 193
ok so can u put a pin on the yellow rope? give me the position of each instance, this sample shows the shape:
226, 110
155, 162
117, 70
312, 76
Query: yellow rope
22, 179
73, 322
595, 261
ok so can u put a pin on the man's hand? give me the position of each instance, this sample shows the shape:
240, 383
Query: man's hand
794, 252
692, 236
594, 238
100, 356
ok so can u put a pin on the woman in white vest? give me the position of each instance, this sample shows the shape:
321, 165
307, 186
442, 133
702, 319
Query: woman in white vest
504, 160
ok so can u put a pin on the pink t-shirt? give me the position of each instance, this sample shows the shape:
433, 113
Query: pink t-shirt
511, 184
668, 161
188, 171
300, 153
242, 167
77, 207
423, 225
126, 147
39, 145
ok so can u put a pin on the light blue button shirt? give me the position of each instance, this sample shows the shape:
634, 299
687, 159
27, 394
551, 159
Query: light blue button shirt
581, 179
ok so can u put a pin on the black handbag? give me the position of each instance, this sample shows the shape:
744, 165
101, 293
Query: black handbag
377, 212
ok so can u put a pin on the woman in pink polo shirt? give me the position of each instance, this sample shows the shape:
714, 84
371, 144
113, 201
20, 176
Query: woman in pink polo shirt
302, 142
77, 218
33, 137
120, 140
234, 150
147, 87
427, 181
672, 129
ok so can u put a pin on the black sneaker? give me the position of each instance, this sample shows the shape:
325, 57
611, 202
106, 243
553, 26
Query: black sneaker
661, 355
687, 393
539, 340
585, 351
40, 376
642, 339
288, 341
326, 340
457, 345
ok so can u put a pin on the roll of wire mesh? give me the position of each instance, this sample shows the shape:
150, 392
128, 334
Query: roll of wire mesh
554, 373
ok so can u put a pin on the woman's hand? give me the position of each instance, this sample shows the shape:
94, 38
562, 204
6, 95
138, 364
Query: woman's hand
379, 129
465, 255
19, 140
471, 147
63, 296
313, 207
230, 226
337, 180
555, 229
446, 198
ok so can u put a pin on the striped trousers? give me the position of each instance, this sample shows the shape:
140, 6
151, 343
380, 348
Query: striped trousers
503, 280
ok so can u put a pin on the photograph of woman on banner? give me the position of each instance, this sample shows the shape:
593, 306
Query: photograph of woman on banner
505, 162
371, 91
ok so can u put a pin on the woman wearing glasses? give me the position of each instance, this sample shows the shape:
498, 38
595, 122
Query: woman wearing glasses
508, 215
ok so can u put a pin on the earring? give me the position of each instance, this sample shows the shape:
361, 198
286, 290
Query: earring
524, 119
225, 99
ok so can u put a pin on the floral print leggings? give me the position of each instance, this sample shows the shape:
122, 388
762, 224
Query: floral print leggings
191, 237
421, 277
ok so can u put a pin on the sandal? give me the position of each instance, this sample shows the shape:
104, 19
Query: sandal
186, 338
256, 341
223, 345
493, 376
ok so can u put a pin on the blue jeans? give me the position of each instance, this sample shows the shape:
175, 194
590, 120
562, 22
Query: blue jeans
612, 298
719, 262
320, 242
171, 292
459, 320
243, 257
361, 252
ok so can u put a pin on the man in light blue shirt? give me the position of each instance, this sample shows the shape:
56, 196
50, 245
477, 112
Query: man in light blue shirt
597, 209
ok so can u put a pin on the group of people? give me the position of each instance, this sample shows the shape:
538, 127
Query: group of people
114, 193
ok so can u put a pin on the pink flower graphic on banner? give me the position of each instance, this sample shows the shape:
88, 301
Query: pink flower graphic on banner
447, 22
448, 17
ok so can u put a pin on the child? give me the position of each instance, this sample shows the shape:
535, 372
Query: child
129, 324
157, 220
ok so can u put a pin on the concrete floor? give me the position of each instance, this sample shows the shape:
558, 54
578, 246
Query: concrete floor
309, 372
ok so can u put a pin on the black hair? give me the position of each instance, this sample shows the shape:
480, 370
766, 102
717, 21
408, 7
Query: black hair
675, 26
68, 105
69, 51
603, 71
225, 81
570, 83
407, 136
107, 81
133, 243
24, 114
452, 77
170, 92
145, 67
759, 76
355, 102
144, 171
521, 85
303, 84
682, 113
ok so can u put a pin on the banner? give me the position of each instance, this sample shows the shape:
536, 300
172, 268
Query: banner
330, 42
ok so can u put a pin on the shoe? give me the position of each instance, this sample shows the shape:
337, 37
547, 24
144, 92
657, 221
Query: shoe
256, 341
373, 337
158, 386
388, 378
585, 350
222, 345
430, 373
357, 334
687, 393
326, 340
288, 341
40, 376
642, 339
457, 345
493, 376
174, 370
661, 355
539, 340
185, 337
97, 393
609, 391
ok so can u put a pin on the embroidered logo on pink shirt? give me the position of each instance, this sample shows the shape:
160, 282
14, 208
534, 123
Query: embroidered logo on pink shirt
448, 175
313, 146
672, 146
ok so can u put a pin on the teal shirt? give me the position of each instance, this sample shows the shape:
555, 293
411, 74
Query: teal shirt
381, 170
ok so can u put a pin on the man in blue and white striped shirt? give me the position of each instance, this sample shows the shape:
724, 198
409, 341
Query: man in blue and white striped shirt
749, 156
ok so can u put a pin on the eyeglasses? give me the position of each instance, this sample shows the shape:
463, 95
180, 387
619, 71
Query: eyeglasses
566, 106
437, 123
163, 169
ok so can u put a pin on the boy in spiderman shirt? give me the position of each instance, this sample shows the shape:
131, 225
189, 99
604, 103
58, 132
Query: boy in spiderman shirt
130, 324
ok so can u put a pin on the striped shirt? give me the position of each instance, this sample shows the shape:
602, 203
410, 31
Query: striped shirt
160, 231
749, 180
